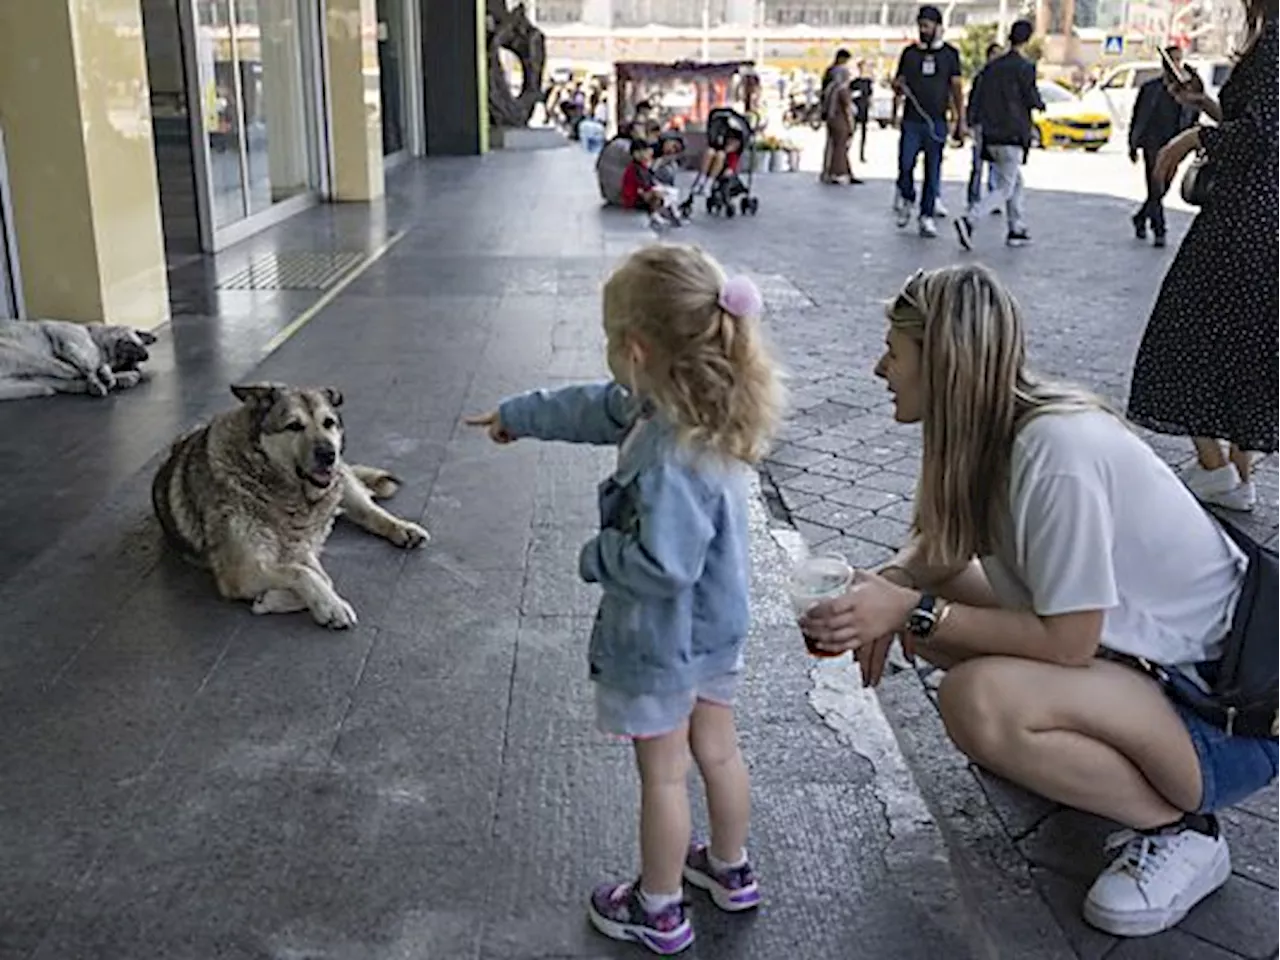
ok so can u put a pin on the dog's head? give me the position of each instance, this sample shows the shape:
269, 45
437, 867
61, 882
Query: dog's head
299, 430
122, 348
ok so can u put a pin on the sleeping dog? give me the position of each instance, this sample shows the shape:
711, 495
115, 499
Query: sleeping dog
39, 358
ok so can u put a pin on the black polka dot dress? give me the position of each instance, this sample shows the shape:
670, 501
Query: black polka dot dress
1207, 363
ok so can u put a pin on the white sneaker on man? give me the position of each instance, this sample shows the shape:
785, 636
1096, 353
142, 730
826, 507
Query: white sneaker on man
902, 208
1221, 487
1156, 880
939, 210
928, 227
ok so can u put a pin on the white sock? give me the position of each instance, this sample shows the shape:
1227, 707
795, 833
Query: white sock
720, 866
657, 902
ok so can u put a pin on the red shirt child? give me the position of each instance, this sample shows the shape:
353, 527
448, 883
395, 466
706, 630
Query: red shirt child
637, 179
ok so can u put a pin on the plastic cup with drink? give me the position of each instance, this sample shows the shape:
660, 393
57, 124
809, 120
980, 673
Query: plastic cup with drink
815, 579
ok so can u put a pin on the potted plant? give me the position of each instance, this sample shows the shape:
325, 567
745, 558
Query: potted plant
769, 150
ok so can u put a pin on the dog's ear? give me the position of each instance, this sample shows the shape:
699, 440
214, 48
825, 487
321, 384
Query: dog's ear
146, 337
334, 396
257, 394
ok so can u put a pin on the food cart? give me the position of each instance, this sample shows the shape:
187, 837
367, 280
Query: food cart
683, 93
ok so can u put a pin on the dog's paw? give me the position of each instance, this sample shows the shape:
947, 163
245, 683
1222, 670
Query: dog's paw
409, 535
127, 379
102, 381
383, 485
278, 601
336, 614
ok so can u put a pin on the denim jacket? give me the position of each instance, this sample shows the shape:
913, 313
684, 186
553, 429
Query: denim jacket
671, 554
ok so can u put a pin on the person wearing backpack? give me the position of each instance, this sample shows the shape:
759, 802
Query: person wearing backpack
1108, 643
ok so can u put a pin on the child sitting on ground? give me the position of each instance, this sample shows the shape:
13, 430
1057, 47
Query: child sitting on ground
642, 191
694, 398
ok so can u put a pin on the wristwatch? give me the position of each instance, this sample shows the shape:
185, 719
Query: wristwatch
924, 619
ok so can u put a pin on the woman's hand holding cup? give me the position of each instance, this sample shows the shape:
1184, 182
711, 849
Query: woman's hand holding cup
863, 620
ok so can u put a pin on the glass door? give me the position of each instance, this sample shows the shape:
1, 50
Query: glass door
256, 66
393, 63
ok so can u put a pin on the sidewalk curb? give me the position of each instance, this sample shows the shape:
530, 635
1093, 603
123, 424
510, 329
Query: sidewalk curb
918, 855
995, 878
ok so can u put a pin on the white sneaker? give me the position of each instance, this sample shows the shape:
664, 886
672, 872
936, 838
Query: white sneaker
939, 210
1155, 881
902, 207
1243, 497
928, 227
1208, 483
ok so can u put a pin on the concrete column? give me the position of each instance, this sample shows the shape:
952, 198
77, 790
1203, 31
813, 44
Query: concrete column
456, 76
355, 99
77, 120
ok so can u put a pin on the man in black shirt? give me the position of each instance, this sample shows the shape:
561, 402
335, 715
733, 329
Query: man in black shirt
1157, 119
928, 80
1002, 102
863, 88
978, 165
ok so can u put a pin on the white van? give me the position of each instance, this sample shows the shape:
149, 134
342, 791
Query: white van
1117, 91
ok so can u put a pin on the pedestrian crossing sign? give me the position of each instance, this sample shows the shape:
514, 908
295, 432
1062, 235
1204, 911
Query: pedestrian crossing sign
1113, 46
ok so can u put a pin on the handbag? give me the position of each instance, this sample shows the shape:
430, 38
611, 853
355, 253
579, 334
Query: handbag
1197, 182
1243, 683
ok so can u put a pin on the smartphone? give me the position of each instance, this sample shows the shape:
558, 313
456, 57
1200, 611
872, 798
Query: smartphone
1178, 72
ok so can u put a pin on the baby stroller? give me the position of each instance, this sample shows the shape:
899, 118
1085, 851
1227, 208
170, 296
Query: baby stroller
730, 192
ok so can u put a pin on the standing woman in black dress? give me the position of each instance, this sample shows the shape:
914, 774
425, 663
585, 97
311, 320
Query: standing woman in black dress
1207, 364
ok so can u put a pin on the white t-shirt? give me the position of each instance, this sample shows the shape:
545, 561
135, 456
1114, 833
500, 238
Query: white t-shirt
1099, 522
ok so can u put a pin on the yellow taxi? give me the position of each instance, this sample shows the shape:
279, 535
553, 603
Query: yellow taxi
1067, 122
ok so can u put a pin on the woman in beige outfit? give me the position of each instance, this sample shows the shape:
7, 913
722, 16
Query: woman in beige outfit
837, 102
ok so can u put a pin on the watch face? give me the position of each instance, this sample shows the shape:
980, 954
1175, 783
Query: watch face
921, 622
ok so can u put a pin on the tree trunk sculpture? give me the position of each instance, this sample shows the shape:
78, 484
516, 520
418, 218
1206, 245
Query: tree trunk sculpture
513, 30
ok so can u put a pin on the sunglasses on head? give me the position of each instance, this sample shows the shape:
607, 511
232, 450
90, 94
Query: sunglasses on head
908, 298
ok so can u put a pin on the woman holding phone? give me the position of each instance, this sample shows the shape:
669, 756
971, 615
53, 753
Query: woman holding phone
1206, 367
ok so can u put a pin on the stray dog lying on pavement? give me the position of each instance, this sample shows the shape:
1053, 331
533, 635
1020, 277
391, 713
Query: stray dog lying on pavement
39, 358
253, 495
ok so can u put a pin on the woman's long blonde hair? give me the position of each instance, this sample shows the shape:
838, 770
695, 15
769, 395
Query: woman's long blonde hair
707, 371
977, 394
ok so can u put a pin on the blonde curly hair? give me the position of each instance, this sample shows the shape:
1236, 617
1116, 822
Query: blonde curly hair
707, 371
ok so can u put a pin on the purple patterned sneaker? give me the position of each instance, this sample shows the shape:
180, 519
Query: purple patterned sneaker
616, 911
734, 889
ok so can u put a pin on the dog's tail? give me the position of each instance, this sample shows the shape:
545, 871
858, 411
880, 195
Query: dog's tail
380, 483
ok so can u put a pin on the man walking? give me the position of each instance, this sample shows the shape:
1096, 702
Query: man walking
926, 83
1005, 98
1157, 119
863, 88
975, 136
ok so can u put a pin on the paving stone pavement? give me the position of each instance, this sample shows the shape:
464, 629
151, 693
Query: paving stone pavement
845, 476
182, 780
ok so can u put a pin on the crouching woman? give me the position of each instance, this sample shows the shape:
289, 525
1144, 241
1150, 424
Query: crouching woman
1055, 559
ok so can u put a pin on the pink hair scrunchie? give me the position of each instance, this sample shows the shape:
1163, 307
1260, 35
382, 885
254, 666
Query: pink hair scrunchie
740, 297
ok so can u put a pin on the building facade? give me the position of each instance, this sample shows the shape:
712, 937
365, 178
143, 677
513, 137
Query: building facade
136, 134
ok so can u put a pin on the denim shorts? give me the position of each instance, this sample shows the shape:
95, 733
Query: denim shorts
644, 715
1231, 768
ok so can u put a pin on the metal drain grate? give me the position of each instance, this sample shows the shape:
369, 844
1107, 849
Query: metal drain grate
301, 270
